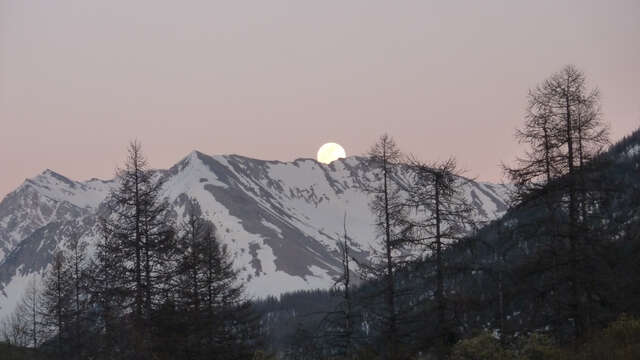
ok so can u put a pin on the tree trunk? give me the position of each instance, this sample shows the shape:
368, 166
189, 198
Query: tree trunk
573, 250
439, 270
390, 282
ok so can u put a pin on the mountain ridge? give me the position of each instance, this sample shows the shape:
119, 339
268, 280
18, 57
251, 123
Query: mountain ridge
280, 220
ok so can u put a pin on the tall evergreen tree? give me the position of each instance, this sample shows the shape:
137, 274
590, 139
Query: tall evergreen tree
210, 295
137, 234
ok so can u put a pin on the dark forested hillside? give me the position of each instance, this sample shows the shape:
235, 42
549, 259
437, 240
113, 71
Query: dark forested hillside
506, 278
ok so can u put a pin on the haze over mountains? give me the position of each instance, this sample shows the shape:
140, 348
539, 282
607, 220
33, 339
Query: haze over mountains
280, 220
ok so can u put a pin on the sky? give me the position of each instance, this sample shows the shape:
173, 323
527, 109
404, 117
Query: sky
276, 79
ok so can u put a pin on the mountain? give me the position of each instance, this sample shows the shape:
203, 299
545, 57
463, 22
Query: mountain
280, 220
504, 279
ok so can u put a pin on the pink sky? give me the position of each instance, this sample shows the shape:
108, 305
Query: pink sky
277, 79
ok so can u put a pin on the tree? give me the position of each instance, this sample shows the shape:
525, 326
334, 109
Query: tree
137, 237
346, 335
162, 293
64, 300
15, 329
564, 130
233, 328
389, 210
442, 216
24, 326
221, 321
338, 324
110, 294
78, 269
12, 330
57, 301
193, 288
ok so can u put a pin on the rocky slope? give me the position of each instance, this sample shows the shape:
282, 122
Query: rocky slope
279, 220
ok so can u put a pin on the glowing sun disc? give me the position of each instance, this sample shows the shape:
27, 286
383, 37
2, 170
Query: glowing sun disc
330, 152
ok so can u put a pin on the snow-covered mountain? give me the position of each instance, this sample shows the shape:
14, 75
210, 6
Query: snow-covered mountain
279, 220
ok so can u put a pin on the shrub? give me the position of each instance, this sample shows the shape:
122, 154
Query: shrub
480, 347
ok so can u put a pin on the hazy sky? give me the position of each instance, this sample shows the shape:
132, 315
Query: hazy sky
277, 79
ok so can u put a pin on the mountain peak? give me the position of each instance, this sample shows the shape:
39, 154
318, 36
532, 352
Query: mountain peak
194, 154
58, 188
49, 172
190, 159
50, 176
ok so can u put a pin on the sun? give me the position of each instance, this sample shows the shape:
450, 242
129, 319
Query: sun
330, 152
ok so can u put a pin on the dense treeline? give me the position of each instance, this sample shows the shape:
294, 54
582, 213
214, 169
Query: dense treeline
152, 290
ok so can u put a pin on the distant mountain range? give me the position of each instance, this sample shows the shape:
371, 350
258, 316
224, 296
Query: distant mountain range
280, 220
